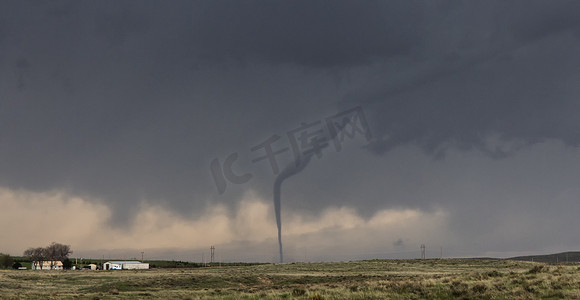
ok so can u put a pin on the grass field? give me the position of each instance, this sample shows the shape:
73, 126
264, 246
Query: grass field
396, 279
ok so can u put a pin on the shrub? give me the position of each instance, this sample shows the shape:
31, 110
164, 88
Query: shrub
459, 289
479, 288
67, 264
6, 261
536, 269
528, 287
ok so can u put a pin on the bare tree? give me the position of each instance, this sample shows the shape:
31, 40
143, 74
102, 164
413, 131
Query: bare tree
50, 252
58, 252
36, 255
54, 252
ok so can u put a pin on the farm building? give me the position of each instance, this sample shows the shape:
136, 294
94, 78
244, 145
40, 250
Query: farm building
125, 265
46, 265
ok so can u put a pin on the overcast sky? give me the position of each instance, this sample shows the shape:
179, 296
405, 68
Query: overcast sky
121, 121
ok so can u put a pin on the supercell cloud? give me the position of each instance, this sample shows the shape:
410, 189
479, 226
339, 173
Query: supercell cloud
114, 110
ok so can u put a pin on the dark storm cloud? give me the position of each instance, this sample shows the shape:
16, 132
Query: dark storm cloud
125, 100
540, 19
309, 33
511, 82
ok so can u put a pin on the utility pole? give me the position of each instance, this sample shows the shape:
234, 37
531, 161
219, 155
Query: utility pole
212, 249
422, 251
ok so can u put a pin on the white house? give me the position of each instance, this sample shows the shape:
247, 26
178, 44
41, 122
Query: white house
46, 265
125, 265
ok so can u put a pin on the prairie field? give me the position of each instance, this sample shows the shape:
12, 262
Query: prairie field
376, 279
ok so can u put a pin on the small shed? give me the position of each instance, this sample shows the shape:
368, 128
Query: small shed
125, 265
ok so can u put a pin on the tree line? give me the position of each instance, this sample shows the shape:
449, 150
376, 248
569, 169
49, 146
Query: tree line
52, 253
6, 261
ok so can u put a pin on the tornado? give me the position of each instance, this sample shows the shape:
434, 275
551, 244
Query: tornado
290, 170
293, 169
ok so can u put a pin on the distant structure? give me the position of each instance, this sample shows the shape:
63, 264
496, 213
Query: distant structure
125, 265
46, 265
212, 249
422, 251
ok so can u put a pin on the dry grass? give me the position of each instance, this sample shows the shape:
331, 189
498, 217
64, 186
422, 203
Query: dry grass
396, 279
